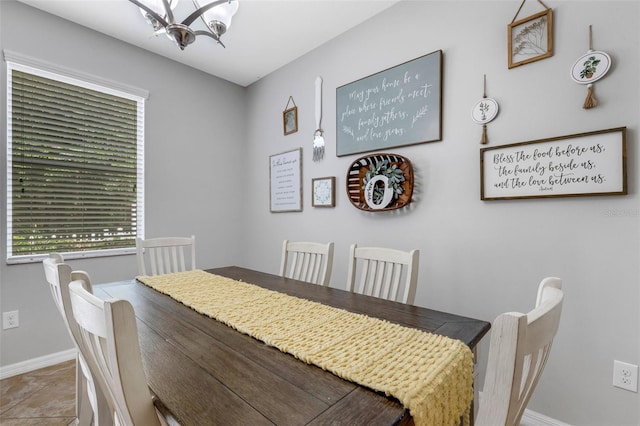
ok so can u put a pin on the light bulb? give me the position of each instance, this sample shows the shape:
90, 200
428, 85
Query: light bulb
219, 17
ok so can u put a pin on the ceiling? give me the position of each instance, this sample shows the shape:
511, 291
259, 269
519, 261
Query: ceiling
264, 36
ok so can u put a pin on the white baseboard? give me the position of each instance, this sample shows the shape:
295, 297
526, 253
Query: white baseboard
36, 363
531, 418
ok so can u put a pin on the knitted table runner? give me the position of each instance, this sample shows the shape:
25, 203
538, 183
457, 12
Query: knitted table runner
429, 374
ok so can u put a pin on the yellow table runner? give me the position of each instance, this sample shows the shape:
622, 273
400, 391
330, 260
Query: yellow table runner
429, 374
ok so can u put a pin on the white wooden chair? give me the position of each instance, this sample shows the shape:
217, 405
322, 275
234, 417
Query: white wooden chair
90, 401
112, 350
382, 270
165, 255
518, 351
311, 262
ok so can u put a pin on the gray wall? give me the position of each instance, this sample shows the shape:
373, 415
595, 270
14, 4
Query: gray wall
482, 258
187, 149
477, 258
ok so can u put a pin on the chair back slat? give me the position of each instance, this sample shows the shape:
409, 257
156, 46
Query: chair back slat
385, 273
307, 261
308, 268
394, 281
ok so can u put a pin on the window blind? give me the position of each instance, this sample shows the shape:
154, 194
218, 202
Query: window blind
75, 157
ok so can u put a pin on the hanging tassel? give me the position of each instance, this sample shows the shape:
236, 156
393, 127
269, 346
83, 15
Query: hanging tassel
590, 101
484, 139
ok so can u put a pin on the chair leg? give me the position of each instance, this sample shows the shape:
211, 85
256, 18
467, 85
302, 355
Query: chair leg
92, 407
84, 411
105, 412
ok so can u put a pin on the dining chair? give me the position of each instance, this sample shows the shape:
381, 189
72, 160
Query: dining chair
382, 271
165, 255
305, 261
518, 351
91, 404
110, 340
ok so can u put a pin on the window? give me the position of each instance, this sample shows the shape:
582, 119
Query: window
75, 166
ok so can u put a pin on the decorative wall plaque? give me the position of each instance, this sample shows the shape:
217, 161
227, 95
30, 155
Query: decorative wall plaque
590, 68
484, 111
380, 182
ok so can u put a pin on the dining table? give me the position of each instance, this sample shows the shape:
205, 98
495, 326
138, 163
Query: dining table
207, 373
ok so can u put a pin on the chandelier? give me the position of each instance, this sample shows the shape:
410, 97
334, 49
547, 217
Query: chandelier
215, 14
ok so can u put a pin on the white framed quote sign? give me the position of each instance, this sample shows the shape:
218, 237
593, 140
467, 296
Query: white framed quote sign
583, 164
285, 180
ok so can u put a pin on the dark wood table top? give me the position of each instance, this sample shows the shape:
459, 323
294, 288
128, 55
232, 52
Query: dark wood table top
207, 373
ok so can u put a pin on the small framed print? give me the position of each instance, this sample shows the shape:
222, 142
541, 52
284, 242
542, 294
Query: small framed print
323, 192
290, 120
530, 39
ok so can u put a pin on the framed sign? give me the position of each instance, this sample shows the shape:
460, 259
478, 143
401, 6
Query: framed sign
323, 192
395, 107
583, 164
285, 180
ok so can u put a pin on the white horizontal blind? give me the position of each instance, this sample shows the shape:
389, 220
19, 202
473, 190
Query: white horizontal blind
75, 166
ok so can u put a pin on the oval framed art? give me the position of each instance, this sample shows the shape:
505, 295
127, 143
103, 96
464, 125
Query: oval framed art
484, 111
590, 67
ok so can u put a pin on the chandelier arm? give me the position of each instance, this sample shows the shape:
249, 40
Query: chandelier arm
189, 19
212, 35
167, 9
155, 16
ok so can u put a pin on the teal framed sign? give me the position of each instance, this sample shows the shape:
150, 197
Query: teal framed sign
396, 107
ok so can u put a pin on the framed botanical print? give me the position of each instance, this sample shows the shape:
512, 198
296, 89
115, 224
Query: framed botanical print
530, 39
323, 192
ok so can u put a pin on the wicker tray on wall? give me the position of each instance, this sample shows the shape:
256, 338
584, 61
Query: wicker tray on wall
358, 170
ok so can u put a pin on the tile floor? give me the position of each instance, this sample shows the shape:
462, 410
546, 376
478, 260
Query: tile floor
42, 397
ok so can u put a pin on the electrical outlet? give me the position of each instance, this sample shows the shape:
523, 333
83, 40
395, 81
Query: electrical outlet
9, 319
625, 376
